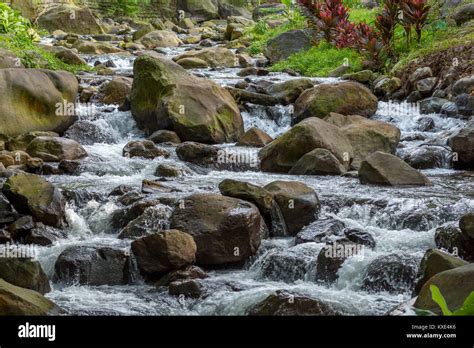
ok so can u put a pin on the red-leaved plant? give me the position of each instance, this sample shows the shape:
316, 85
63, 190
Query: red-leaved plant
415, 13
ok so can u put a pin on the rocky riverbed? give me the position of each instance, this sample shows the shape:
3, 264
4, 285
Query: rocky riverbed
197, 182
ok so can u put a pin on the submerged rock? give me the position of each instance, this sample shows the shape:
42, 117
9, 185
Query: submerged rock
393, 273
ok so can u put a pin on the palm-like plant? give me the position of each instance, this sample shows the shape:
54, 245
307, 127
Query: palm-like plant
415, 13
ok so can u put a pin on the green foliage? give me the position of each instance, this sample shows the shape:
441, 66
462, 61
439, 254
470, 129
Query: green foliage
11, 21
127, 8
358, 15
320, 60
466, 309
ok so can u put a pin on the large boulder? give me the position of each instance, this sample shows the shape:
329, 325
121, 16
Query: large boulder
93, 266
9, 59
283, 303
226, 230
164, 251
268, 10
434, 262
388, 170
55, 149
288, 43
31, 194
64, 54
466, 224
464, 14
160, 38
366, 136
254, 137
298, 203
33, 100
196, 109
455, 286
24, 273
346, 98
16, 301
455, 240
313, 133
214, 57
200, 9
71, 19
116, 91
93, 47
463, 145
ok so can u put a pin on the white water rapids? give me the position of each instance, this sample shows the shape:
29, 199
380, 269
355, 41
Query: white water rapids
232, 292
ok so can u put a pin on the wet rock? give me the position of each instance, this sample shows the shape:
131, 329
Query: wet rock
165, 136
249, 71
244, 96
255, 137
321, 231
332, 257
360, 237
20, 227
130, 197
425, 124
116, 91
87, 133
7, 214
5, 236
153, 220
26, 108
288, 92
298, 203
388, 170
387, 86
169, 171
288, 43
145, 149
201, 10
188, 273
318, 162
164, 251
197, 153
143, 30
465, 104
31, 194
160, 38
43, 235
282, 154
24, 273
196, 109
427, 85
455, 286
122, 217
94, 266
65, 55
16, 301
433, 263
53, 149
346, 98
215, 57
59, 18
426, 157
455, 241
259, 196
186, 288
432, 105
226, 230
66, 167
120, 190
283, 303
463, 145
467, 225
392, 273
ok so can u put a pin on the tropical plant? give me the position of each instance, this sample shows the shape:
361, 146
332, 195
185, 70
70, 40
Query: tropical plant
11, 21
386, 22
415, 12
466, 309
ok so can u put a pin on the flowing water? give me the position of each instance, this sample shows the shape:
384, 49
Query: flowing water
401, 220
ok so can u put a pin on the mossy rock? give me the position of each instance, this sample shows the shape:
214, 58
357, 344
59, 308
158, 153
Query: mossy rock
16, 301
24, 273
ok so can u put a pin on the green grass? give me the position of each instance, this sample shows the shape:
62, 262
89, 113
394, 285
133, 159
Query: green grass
320, 61
358, 15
